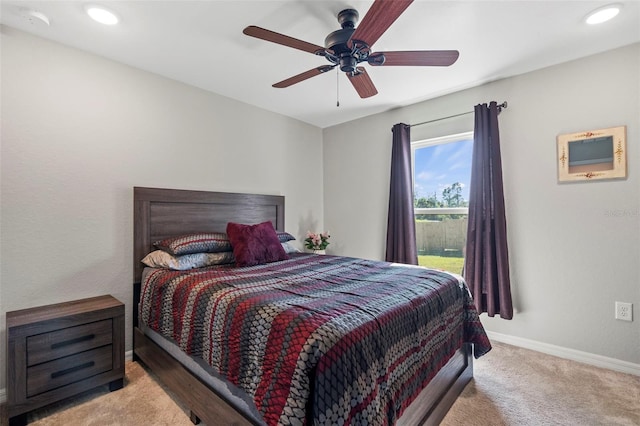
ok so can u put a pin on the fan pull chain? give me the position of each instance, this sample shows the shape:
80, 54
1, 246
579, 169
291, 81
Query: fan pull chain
337, 88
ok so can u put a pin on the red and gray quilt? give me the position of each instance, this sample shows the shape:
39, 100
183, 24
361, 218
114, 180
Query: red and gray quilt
318, 339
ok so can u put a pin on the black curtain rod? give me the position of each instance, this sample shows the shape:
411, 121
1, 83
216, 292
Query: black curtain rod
500, 108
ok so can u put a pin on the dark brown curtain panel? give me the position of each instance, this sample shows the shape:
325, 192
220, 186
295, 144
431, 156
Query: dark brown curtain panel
401, 225
486, 266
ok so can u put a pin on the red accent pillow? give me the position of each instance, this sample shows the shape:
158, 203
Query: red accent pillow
255, 244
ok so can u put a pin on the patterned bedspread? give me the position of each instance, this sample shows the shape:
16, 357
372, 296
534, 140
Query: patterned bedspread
318, 339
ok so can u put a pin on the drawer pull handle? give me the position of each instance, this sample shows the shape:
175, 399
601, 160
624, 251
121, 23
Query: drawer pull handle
72, 341
72, 369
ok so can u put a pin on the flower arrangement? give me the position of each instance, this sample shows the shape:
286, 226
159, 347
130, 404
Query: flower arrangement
317, 241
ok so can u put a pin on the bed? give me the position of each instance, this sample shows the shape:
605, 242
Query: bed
424, 396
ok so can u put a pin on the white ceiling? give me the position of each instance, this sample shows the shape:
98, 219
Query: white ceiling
201, 43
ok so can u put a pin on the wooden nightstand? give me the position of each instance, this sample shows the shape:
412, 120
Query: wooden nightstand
60, 350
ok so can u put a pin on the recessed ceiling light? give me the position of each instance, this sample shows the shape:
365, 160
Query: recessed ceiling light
603, 14
102, 15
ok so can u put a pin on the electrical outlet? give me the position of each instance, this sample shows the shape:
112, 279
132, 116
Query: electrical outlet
624, 311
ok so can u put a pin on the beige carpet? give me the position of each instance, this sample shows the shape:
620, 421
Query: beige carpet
142, 401
512, 386
515, 386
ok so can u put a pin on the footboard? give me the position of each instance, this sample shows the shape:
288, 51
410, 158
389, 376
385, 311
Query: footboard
429, 408
433, 403
203, 402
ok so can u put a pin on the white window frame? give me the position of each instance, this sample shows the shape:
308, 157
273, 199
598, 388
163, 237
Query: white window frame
432, 142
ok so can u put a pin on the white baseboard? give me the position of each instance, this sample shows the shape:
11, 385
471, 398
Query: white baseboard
566, 353
128, 356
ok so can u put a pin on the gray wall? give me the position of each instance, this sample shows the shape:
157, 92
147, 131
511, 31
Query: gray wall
79, 131
574, 247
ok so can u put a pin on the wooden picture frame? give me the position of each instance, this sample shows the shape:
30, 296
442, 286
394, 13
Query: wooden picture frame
593, 155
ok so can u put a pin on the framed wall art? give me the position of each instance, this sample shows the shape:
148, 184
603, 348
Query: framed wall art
593, 155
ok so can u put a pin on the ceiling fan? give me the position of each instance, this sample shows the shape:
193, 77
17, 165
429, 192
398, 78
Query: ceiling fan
350, 46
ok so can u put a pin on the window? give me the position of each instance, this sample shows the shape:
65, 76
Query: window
441, 179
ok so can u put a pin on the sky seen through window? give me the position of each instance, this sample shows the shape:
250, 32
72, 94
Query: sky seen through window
439, 166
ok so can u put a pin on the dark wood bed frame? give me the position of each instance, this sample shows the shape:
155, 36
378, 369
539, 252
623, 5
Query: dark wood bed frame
162, 213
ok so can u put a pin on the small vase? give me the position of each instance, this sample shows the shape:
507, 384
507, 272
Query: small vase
319, 251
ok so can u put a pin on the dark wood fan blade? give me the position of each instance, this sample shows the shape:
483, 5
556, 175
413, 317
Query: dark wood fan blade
282, 39
362, 83
429, 58
303, 76
379, 17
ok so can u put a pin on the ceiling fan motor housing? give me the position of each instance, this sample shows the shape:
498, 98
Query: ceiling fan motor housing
338, 42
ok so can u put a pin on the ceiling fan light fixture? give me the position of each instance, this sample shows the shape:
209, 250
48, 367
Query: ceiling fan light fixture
348, 63
603, 14
102, 15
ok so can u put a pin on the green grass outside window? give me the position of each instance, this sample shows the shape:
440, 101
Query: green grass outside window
450, 264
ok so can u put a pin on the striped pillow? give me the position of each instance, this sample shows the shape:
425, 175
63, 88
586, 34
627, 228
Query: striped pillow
283, 237
205, 242
195, 243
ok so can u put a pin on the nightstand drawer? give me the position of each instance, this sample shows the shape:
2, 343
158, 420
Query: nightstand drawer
68, 341
60, 350
63, 371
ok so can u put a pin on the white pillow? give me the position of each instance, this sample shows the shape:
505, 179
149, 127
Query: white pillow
290, 248
162, 259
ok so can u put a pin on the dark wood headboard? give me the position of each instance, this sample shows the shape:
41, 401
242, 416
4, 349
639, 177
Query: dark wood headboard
162, 213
